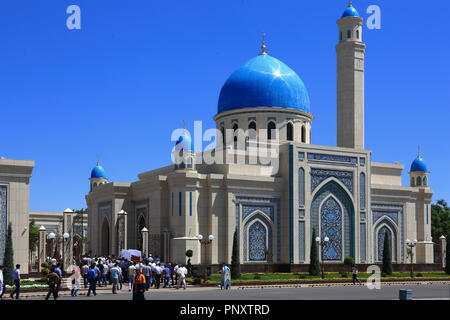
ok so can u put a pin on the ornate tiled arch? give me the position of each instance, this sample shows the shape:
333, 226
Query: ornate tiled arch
395, 214
331, 226
270, 207
342, 197
257, 237
320, 175
380, 232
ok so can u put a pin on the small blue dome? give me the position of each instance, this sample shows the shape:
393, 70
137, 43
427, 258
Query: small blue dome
350, 12
98, 172
419, 165
263, 82
185, 142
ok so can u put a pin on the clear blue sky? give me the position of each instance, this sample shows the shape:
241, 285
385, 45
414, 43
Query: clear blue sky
124, 82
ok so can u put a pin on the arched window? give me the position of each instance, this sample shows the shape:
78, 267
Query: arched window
425, 181
357, 34
289, 132
235, 127
222, 130
349, 34
341, 36
252, 130
271, 127
412, 181
303, 134
419, 181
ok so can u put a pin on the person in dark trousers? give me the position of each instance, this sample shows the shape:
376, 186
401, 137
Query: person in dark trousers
58, 271
16, 282
92, 278
355, 274
139, 285
53, 279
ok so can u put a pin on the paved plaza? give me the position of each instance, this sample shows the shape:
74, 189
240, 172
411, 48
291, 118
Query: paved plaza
322, 292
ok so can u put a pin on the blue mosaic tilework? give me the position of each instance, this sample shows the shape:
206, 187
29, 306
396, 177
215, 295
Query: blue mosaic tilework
380, 240
301, 187
334, 189
301, 156
301, 241
257, 202
376, 215
362, 238
395, 212
331, 227
248, 209
319, 175
257, 244
3, 221
332, 158
362, 190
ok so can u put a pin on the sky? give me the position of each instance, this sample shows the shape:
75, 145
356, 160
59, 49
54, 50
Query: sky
121, 84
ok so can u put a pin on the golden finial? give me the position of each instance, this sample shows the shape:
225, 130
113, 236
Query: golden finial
418, 155
98, 159
350, 4
263, 47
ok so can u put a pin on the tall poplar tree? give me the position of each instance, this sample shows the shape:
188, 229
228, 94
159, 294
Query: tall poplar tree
387, 255
235, 259
314, 264
8, 262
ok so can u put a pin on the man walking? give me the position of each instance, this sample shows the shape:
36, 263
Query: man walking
92, 278
139, 286
146, 271
16, 282
115, 274
59, 273
131, 274
157, 274
355, 275
182, 272
53, 279
84, 271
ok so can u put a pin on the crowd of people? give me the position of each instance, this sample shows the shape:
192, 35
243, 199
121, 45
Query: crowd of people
139, 275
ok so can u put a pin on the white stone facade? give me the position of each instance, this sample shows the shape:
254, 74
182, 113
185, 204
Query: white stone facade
274, 205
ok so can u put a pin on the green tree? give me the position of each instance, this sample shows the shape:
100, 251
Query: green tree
8, 267
314, 264
235, 259
440, 220
447, 255
33, 236
387, 256
189, 253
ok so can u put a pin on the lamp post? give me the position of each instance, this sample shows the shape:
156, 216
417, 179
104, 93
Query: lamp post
411, 245
321, 243
122, 231
205, 242
65, 237
52, 236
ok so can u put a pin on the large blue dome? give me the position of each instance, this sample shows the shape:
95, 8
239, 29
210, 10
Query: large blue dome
350, 12
263, 82
419, 165
98, 172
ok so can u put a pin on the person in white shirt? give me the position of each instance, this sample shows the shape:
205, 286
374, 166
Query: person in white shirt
182, 272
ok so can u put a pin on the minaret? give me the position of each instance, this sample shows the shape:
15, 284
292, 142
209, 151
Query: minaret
419, 173
98, 176
350, 80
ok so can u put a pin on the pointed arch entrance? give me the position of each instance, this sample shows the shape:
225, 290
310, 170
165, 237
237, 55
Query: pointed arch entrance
140, 225
106, 248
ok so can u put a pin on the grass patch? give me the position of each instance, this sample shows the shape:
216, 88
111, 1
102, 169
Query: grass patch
268, 277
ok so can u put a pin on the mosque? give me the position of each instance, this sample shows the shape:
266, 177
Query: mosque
274, 206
